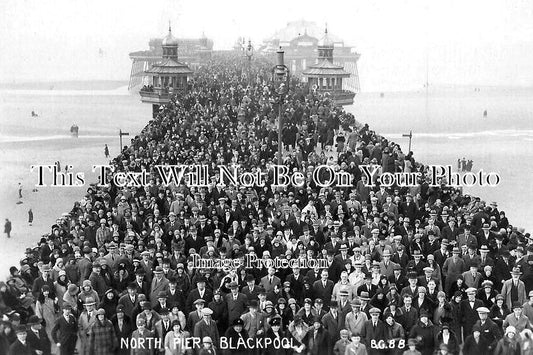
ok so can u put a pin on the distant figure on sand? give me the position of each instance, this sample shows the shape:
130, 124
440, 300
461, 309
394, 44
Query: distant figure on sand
30, 217
20, 190
106, 151
7, 228
485, 113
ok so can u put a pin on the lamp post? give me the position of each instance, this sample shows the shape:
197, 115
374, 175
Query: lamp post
120, 134
410, 136
249, 53
280, 77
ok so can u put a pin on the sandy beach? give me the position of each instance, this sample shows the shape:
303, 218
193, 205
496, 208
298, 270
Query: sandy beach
25, 142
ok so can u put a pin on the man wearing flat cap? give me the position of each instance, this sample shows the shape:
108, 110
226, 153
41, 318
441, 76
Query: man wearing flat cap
468, 308
196, 315
207, 327
373, 331
490, 331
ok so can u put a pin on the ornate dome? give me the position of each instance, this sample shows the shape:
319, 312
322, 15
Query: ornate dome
169, 40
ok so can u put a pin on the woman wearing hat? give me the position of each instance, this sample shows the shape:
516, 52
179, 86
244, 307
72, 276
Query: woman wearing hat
508, 345
47, 309
87, 291
121, 278
236, 337
175, 340
297, 332
448, 338
109, 302
499, 311
379, 300
424, 333
60, 286
459, 285
487, 293
394, 333
58, 266
316, 339
290, 313
102, 339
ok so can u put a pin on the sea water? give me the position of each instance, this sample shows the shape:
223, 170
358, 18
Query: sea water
448, 124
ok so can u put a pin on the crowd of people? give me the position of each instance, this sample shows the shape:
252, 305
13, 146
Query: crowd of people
411, 270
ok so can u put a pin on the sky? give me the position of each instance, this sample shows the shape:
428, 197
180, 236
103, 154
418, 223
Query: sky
462, 42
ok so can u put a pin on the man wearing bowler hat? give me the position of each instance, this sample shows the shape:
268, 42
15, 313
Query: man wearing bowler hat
44, 279
159, 284
130, 300
237, 302
332, 323
85, 322
251, 290
20, 346
355, 320
517, 319
386, 266
37, 337
452, 268
123, 327
200, 292
323, 288
254, 322
514, 289
65, 331
162, 302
